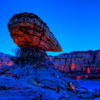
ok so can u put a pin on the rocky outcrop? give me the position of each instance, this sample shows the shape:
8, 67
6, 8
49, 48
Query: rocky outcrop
28, 30
45, 84
76, 63
11, 89
33, 37
83, 62
5, 59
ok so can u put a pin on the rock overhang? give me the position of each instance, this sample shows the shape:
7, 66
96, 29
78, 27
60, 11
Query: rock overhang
28, 30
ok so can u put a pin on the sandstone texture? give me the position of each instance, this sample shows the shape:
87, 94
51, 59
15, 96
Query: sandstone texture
83, 62
28, 30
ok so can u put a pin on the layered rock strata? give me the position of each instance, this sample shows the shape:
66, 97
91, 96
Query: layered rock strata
28, 30
83, 62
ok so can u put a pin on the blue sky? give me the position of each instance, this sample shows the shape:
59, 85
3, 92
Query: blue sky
75, 23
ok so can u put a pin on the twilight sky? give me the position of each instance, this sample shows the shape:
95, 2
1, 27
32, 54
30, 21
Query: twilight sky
75, 23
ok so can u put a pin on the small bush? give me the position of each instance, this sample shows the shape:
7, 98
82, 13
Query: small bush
26, 56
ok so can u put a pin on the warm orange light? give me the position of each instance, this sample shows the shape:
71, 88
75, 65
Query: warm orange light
10, 63
78, 77
86, 76
73, 87
88, 70
72, 66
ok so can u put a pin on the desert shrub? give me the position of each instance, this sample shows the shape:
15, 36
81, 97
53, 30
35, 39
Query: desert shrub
26, 56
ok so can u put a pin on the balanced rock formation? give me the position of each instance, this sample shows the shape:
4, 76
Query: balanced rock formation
28, 30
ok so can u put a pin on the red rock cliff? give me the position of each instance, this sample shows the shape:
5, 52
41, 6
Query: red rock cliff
81, 62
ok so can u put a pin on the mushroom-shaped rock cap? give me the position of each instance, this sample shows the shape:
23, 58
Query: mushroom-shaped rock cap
28, 30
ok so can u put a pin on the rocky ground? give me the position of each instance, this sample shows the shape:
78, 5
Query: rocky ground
90, 84
29, 83
11, 89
